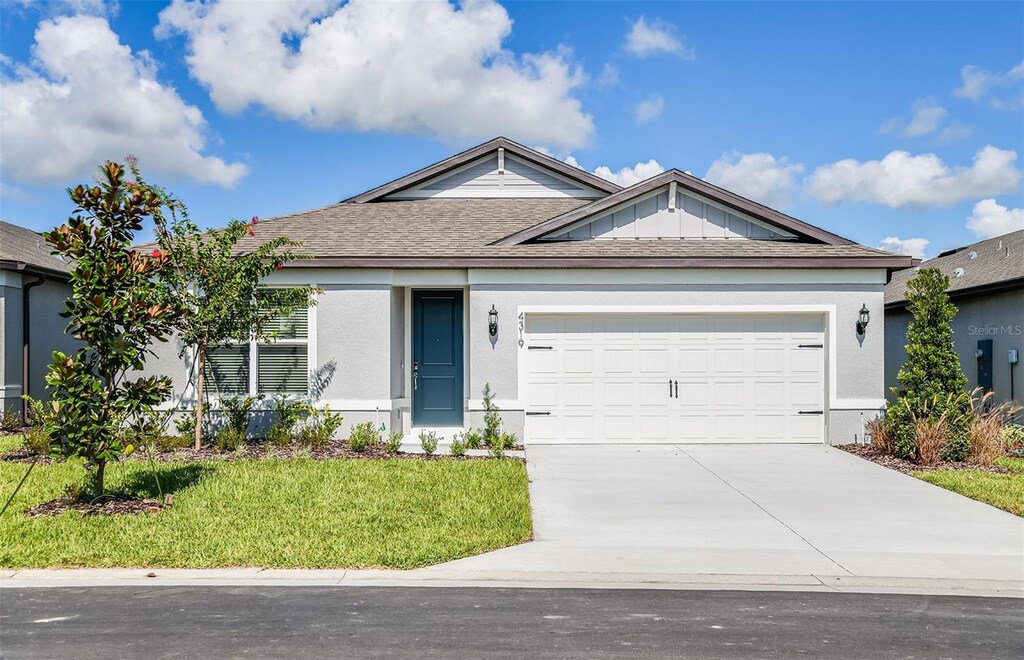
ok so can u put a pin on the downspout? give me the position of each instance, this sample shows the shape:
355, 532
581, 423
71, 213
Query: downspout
26, 329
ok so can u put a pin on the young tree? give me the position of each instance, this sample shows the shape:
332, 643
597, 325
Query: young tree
219, 284
118, 306
931, 379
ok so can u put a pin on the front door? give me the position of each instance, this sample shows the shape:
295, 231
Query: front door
437, 358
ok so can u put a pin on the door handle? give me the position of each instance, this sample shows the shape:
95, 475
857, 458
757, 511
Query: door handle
670, 388
415, 375
677, 388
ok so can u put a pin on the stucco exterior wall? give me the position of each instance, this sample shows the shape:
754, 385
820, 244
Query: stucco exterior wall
997, 316
859, 364
10, 342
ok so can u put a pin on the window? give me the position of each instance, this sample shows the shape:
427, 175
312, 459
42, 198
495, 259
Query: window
281, 365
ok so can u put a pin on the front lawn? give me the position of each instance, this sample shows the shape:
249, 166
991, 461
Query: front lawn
275, 513
1005, 491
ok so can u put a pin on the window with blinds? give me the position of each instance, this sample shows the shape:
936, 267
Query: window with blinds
281, 369
227, 370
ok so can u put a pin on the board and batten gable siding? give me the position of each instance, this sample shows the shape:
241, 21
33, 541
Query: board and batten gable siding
692, 218
484, 178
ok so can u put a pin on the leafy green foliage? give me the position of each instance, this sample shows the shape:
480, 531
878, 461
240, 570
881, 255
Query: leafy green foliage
118, 306
236, 412
279, 436
229, 439
501, 444
318, 433
218, 275
428, 441
458, 447
394, 442
1013, 437
10, 421
473, 438
36, 441
288, 414
362, 436
931, 381
492, 417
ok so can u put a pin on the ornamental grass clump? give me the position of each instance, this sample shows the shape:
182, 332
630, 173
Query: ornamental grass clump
881, 436
986, 430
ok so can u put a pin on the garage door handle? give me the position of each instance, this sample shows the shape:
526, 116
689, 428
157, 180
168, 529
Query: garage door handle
810, 412
540, 348
539, 412
811, 346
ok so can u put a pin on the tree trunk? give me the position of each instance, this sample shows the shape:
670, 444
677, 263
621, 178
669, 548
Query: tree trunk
97, 481
199, 396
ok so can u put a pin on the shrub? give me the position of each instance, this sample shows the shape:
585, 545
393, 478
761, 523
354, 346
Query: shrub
290, 413
165, 442
236, 412
278, 435
10, 421
362, 436
492, 417
473, 438
502, 443
1013, 437
881, 436
229, 439
428, 441
458, 447
37, 441
931, 377
320, 432
394, 442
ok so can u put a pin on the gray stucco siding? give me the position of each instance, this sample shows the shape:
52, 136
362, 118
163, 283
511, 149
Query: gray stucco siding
997, 316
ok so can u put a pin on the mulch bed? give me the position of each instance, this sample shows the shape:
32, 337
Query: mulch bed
108, 505
253, 450
875, 455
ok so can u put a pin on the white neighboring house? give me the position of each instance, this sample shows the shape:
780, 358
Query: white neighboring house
671, 311
33, 288
986, 283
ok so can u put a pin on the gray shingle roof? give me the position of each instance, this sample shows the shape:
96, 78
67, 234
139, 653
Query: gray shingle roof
996, 261
428, 232
19, 245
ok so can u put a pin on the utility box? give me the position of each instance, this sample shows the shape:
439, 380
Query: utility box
984, 355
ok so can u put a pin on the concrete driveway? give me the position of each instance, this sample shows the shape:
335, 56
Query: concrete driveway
780, 510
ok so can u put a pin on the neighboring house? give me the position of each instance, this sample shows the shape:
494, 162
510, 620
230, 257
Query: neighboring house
670, 311
987, 286
33, 288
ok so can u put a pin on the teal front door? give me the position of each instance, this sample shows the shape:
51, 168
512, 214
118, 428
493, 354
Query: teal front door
437, 358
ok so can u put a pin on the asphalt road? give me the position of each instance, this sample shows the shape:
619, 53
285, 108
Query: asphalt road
386, 622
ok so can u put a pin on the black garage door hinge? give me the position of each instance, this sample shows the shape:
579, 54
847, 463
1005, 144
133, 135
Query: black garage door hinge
810, 412
542, 412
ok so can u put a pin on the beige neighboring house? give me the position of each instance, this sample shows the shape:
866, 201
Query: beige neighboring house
33, 287
987, 286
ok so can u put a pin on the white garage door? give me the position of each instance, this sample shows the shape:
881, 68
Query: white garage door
617, 378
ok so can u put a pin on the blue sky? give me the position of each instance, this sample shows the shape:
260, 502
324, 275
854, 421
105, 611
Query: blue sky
876, 121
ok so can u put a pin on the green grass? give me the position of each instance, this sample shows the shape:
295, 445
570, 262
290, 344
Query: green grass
1005, 491
275, 513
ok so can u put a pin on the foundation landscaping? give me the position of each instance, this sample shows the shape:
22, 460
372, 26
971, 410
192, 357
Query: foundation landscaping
98, 479
935, 430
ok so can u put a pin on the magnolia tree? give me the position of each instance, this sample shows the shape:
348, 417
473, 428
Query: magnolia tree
219, 285
117, 308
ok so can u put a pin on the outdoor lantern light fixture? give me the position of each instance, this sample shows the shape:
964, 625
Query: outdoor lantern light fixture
492, 322
863, 317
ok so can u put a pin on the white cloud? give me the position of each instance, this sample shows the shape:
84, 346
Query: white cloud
649, 109
626, 176
978, 84
657, 37
609, 76
915, 247
87, 97
902, 179
425, 68
59, 7
990, 219
926, 118
759, 176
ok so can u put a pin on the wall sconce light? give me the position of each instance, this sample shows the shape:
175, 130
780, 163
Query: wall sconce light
863, 317
492, 322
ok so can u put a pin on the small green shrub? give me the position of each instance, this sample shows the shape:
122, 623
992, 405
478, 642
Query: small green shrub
474, 439
362, 436
492, 417
428, 441
236, 412
166, 442
319, 433
229, 439
458, 447
1013, 437
278, 435
37, 441
186, 426
290, 413
394, 442
502, 443
10, 421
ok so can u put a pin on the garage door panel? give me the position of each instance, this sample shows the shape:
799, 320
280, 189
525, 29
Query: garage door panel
734, 378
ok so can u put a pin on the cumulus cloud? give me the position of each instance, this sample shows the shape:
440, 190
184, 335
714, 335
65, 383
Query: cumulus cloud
990, 219
626, 176
656, 38
87, 97
425, 68
759, 176
978, 84
649, 109
914, 247
927, 117
901, 179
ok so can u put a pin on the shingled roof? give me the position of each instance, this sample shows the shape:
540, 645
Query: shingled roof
22, 249
995, 263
